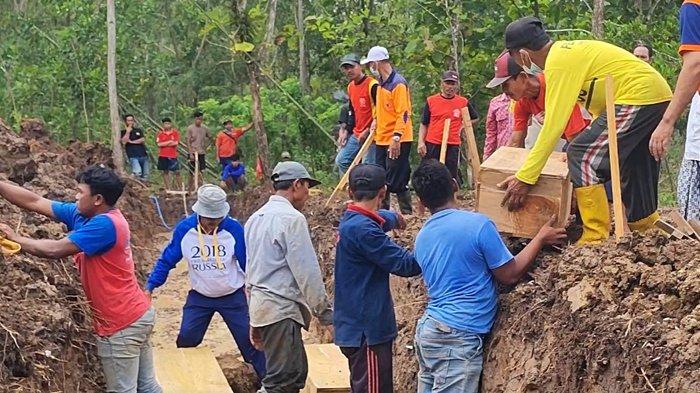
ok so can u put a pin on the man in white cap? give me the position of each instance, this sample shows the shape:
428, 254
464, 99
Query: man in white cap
284, 281
213, 245
394, 134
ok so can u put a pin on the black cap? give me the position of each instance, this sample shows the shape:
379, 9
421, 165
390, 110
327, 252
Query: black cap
166, 120
450, 76
197, 113
226, 122
526, 32
367, 177
350, 59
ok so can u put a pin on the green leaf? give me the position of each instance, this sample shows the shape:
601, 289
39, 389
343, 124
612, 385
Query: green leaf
243, 47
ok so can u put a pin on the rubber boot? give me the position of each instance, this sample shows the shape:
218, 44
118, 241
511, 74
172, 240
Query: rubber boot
386, 202
405, 204
593, 207
645, 223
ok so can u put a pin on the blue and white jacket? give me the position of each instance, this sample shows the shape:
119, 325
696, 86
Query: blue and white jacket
205, 276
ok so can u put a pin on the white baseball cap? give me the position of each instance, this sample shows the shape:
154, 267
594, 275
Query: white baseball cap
211, 202
376, 53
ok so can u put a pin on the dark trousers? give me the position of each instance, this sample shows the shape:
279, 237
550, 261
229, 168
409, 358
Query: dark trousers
287, 366
398, 171
589, 159
371, 368
451, 158
233, 308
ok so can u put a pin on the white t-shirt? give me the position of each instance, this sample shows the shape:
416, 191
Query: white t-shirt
692, 139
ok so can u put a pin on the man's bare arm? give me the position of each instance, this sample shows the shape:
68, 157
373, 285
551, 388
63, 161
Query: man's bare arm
25, 199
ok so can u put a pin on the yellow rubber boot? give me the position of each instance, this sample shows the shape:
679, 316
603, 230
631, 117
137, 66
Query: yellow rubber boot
645, 223
592, 205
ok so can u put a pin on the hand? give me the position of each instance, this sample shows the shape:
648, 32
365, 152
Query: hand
363, 136
148, 294
516, 192
548, 234
373, 126
517, 139
342, 138
394, 150
422, 149
256, 338
129, 129
660, 139
401, 221
7, 232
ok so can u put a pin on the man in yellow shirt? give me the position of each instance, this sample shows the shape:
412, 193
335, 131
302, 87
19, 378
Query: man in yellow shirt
394, 128
576, 71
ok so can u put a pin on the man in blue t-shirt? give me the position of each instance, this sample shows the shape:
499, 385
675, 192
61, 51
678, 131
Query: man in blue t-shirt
460, 253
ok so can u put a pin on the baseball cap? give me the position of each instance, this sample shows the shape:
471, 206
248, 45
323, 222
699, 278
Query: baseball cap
505, 68
350, 59
450, 76
367, 177
292, 170
376, 53
211, 202
526, 32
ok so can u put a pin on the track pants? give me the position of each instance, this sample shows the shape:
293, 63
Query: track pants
371, 369
233, 308
398, 171
451, 158
589, 160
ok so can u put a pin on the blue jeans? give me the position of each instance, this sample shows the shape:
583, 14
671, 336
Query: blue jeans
450, 361
139, 167
348, 152
127, 357
233, 308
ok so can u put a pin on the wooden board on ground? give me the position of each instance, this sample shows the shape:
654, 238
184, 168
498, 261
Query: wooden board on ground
189, 370
328, 370
550, 196
681, 224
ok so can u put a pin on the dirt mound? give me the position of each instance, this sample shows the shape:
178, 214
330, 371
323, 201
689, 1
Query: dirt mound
613, 318
45, 323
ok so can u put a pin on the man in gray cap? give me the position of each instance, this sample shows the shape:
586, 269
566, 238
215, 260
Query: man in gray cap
213, 245
284, 281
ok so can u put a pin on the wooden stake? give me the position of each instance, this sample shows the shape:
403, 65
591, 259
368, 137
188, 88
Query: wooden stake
473, 152
445, 134
614, 158
196, 171
360, 155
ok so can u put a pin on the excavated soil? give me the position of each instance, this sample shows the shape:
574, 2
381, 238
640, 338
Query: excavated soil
45, 326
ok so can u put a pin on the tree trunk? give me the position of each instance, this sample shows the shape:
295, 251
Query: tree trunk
268, 46
303, 60
454, 24
117, 154
260, 134
598, 18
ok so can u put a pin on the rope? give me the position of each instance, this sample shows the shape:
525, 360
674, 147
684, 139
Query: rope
160, 212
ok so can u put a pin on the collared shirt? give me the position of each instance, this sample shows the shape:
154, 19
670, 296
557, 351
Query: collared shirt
499, 124
283, 278
393, 110
197, 138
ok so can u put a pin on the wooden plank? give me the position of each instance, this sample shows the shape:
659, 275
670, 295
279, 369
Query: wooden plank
196, 171
328, 370
189, 370
525, 222
510, 159
618, 209
681, 224
360, 155
445, 135
472, 149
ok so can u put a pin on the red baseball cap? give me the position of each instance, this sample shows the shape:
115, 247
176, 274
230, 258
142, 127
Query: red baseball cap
505, 68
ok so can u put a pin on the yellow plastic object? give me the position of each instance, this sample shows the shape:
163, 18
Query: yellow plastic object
593, 206
645, 223
9, 247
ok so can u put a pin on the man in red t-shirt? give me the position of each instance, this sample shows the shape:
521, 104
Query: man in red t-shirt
168, 139
227, 142
99, 241
362, 93
438, 108
529, 91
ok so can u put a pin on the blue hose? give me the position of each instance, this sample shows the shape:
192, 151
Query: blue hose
160, 212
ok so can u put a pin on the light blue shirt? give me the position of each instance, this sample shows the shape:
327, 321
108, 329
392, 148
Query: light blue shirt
457, 250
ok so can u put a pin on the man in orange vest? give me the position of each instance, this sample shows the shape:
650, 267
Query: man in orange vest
438, 108
362, 93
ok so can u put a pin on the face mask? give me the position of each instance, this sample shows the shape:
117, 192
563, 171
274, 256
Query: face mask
533, 69
374, 72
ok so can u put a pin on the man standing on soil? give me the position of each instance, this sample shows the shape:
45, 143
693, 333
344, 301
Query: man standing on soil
362, 93
460, 253
576, 71
227, 142
687, 87
284, 281
168, 139
438, 108
99, 241
364, 320
198, 138
213, 245
394, 134
134, 141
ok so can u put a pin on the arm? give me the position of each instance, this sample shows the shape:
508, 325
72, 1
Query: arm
170, 256
26, 199
402, 108
43, 248
521, 118
491, 132
389, 256
473, 114
125, 136
304, 266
